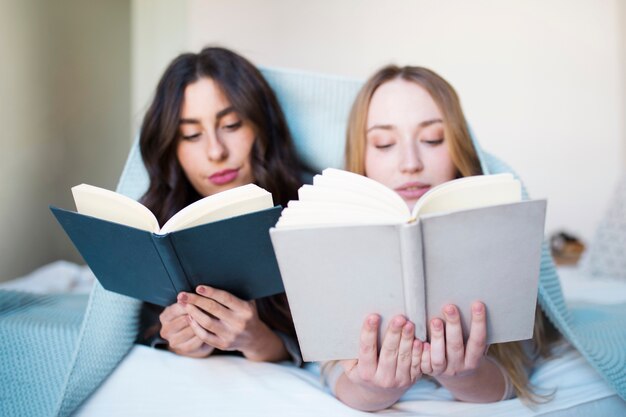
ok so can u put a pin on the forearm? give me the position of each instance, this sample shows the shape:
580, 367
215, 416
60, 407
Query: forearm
364, 398
485, 384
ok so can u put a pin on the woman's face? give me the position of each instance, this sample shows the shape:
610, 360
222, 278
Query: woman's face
405, 145
215, 142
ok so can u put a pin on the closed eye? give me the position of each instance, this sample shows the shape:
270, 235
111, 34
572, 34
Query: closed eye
433, 142
233, 126
385, 146
191, 137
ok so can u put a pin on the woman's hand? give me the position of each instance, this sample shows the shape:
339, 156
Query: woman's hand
226, 322
375, 381
447, 355
180, 336
461, 368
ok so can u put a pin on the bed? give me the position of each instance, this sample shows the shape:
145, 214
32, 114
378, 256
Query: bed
60, 367
151, 382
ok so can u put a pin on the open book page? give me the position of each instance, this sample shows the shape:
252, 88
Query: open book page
114, 207
343, 198
117, 208
345, 180
468, 193
321, 213
230, 203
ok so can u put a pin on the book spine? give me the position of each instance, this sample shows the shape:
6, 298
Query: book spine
167, 252
413, 277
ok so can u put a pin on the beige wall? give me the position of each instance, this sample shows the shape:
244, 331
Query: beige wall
621, 17
159, 33
65, 117
541, 82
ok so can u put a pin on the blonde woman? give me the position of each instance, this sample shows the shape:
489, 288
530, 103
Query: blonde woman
407, 131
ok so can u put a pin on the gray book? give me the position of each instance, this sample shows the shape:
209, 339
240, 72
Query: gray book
335, 274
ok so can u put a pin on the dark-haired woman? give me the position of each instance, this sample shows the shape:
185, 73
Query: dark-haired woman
215, 124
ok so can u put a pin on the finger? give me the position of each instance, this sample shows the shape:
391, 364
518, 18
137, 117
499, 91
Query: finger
477, 342
405, 352
181, 337
168, 329
388, 360
207, 337
223, 297
348, 365
426, 366
437, 347
368, 347
189, 346
455, 350
416, 360
210, 324
209, 305
171, 312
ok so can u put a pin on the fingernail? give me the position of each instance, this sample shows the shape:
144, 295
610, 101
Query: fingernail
451, 311
373, 320
437, 325
398, 322
200, 290
408, 328
182, 298
478, 308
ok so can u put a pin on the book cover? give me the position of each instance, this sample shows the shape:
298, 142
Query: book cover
233, 254
337, 269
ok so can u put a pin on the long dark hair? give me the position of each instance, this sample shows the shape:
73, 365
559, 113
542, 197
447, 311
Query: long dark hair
275, 165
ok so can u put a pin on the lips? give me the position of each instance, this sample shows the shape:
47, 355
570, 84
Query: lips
224, 176
412, 190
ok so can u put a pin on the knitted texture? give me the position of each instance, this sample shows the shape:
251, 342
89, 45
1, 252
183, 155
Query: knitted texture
57, 349
37, 336
606, 256
316, 107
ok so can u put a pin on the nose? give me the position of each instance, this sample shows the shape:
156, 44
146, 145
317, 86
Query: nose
411, 160
216, 150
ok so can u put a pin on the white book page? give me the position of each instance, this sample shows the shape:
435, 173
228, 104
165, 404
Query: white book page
309, 213
345, 180
114, 207
345, 198
234, 202
468, 193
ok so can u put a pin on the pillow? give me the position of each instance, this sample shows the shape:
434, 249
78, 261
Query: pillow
316, 108
606, 256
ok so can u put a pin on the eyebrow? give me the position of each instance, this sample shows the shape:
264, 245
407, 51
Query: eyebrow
218, 116
422, 125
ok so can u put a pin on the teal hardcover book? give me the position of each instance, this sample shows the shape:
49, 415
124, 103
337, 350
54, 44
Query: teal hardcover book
232, 251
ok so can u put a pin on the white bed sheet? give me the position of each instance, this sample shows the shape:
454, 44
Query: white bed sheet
153, 383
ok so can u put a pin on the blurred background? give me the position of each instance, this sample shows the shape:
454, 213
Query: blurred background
543, 85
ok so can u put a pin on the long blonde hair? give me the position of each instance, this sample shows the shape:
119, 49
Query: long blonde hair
513, 357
